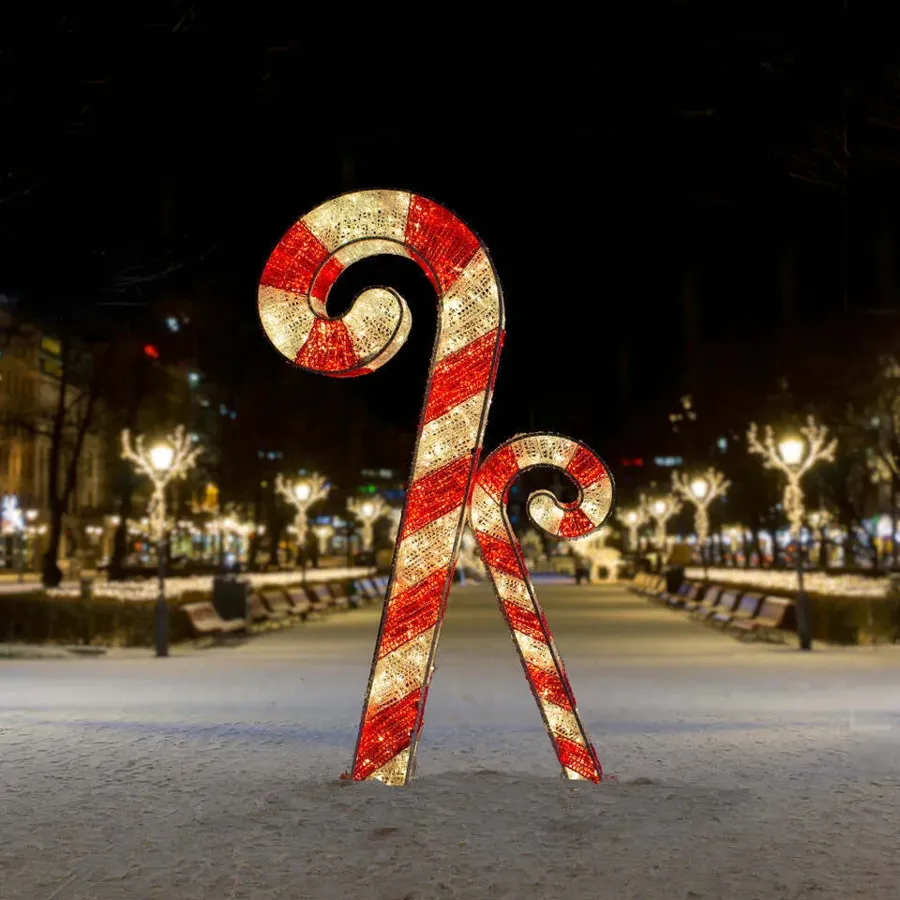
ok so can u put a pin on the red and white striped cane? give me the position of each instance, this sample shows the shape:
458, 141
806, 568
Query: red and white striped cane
292, 306
519, 604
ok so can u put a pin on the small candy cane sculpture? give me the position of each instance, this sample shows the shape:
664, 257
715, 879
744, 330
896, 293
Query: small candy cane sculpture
506, 566
292, 296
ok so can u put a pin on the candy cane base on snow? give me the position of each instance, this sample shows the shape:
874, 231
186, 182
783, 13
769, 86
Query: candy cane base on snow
506, 567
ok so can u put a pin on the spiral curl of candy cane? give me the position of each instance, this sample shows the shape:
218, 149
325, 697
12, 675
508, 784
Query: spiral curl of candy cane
293, 295
506, 568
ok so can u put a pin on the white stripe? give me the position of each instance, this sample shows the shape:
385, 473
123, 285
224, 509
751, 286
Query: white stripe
597, 500
401, 671
544, 449
449, 437
487, 514
393, 772
373, 321
512, 590
545, 511
470, 308
378, 214
286, 318
424, 552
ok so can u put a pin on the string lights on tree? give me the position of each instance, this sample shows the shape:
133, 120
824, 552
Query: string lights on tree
368, 510
301, 493
794, 456
661, 510
701, 490
324, 533
168, 460
633, 519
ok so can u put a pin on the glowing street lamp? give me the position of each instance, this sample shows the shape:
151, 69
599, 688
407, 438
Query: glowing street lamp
794, 457
661, 510
633, 519
368, 510
701, 491
324, 533
164, 462
301, 493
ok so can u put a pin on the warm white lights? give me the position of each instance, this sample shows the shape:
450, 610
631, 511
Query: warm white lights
701, 491
661, 510
791, 450
166, 461
161, 456
302, 494
699, 488
793, 458
633, 519
368, 511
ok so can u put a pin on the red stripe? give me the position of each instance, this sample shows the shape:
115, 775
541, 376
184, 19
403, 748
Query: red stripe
325, 278
412, 612
436, 494
585, 468
498, 471
328, 348
384, 734
461, 375
577, 758
441, 238
499, 554
574, 523
295, 260
526, 621
548, 685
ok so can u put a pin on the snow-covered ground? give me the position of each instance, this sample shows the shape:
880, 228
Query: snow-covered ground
743, 771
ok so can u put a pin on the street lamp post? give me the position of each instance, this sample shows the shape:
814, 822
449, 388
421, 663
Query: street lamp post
165, 461
701, 491
368, 510
794, 457
661, 510
301, 494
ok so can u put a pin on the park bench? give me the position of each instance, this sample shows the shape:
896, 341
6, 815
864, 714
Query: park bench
338, 591
276, 601
746, 609
320, 597
367, 590
257, 612
701, 606
774, 617
675, 598
690, 594
298, 599
726, 603
638, 582
650, 586
206, 622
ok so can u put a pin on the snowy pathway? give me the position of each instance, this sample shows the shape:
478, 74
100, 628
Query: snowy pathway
744, 771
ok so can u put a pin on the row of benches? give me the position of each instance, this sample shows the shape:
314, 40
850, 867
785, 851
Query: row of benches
745, 614
275, 606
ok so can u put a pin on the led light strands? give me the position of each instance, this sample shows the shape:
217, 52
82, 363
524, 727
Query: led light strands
293, 294
506, 567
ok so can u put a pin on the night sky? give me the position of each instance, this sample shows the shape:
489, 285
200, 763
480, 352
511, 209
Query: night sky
647, 188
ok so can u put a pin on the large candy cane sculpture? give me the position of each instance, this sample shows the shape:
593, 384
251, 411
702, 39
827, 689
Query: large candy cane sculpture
292, 306
505, 563
292, 295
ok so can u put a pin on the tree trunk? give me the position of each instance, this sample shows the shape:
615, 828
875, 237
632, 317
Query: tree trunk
126, 480
52, 574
